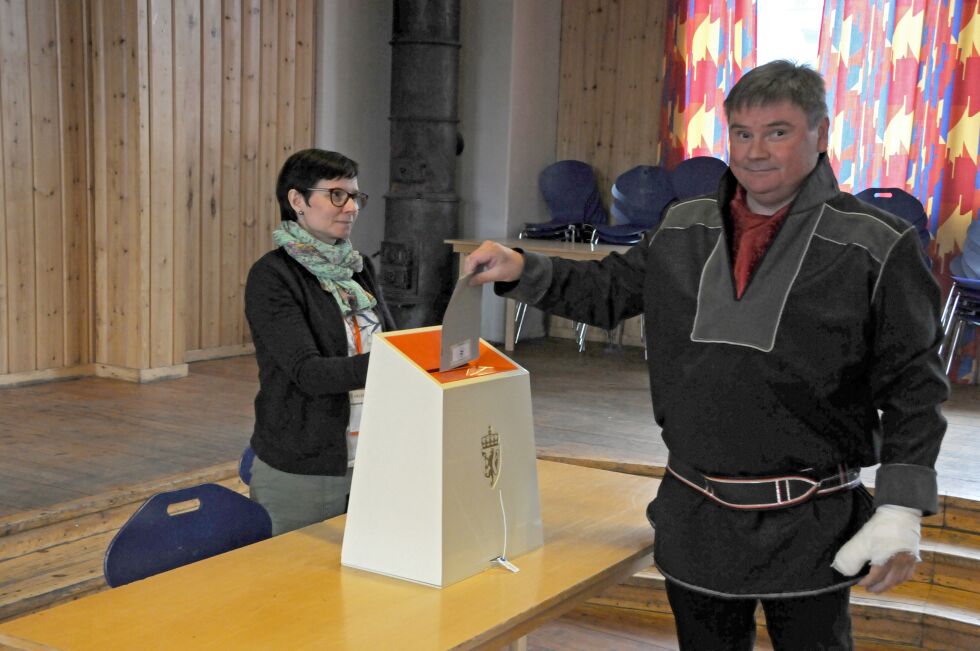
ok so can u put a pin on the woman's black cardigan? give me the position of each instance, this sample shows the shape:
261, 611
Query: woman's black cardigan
302, 408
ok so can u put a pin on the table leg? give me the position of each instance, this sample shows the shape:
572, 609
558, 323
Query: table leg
519, 644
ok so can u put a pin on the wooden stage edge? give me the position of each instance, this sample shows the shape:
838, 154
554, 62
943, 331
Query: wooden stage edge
227, 474
67, 542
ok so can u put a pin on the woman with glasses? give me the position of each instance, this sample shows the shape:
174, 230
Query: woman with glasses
312, 305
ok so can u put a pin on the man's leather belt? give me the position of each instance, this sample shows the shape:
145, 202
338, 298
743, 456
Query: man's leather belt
748, 493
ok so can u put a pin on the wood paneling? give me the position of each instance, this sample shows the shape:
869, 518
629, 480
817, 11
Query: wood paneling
249, 204
209, 328
45, 301
75, 179
610, 88
231, 325
162, 182
140, 141
18, 165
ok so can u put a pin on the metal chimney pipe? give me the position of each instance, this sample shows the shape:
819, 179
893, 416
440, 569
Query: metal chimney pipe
421, 207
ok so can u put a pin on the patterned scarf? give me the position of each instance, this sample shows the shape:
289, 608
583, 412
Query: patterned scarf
333, 265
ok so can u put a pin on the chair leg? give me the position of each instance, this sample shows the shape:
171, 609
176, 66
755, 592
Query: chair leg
581, 329
947, 313
614, 336
519, 313
948, 324
951, 352
643, 333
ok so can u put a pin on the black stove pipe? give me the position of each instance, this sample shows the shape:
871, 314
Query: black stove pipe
421, 207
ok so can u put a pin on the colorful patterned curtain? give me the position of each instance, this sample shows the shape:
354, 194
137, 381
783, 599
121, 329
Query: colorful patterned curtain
903, 82
709, 44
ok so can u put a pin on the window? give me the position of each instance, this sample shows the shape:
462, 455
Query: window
788, 29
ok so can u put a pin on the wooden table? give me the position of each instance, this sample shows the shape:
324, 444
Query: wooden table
557, 248
290, 592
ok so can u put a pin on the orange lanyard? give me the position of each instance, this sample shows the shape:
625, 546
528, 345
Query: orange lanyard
357, 332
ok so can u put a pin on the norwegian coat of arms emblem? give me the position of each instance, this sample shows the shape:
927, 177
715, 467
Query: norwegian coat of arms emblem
491, 456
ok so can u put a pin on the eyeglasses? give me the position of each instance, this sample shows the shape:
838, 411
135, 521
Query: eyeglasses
339, 196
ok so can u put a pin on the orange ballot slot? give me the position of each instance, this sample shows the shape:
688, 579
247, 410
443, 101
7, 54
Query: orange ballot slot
446, 483
423, 348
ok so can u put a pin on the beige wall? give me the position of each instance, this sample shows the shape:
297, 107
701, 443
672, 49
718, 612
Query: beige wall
140, 143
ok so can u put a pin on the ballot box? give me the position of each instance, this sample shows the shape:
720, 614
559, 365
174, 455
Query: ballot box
445, 479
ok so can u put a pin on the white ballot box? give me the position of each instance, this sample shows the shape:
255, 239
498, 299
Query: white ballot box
445, 479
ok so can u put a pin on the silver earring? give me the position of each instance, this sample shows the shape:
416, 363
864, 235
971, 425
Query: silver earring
299, 212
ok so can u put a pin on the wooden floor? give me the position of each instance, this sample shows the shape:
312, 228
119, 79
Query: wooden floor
67, 440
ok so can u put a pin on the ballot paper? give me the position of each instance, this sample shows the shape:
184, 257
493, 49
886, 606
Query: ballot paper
461, 325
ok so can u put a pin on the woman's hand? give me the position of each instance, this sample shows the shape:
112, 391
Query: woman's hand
500, 264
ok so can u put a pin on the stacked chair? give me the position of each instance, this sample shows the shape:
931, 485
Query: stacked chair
962, 309
901, 204
571, 194
640, 196
697, 176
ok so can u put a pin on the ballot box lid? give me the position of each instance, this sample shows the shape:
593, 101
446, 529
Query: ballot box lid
423, 346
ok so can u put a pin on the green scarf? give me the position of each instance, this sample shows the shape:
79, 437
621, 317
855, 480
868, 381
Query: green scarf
333, 265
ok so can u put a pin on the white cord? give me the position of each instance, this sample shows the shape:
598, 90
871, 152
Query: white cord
503, 514
502, 559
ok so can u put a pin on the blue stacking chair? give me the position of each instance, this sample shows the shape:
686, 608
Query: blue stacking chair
696, 176
571, 194
245, 465
962, 311
640, 196
178, 527
901, 204
968, 263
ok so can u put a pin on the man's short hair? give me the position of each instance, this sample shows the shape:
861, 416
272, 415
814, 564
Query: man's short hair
306, 168
779, 81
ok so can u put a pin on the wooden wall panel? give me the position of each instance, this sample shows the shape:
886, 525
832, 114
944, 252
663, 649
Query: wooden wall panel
286, 77
230, 326
610, 85
251, 57
75, 176
4, 255
120, 317
269, 157
305, 74
46, 145
187, 175
18, 155
211, 247
163, 257
140, 142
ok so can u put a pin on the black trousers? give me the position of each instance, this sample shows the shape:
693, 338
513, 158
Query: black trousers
709, 623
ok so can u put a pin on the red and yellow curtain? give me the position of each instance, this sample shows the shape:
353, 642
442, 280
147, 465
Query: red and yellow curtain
709, 44
903, 82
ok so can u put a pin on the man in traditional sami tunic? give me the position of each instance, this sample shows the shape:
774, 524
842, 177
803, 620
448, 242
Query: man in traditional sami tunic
792, 337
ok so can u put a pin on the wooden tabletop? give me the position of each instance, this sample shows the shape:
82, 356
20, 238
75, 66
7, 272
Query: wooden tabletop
569, 250
290, 592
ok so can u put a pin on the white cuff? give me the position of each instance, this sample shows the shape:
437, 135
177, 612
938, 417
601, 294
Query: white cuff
892, 529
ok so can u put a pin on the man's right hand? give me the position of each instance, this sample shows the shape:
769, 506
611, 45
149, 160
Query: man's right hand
500, 264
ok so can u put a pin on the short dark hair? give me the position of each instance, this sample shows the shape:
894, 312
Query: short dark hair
305, 169
779, 81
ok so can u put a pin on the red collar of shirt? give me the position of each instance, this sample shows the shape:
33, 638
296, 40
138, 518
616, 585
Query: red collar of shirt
752, 234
